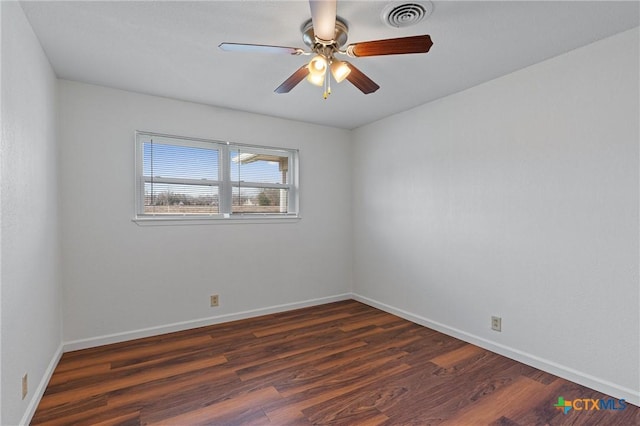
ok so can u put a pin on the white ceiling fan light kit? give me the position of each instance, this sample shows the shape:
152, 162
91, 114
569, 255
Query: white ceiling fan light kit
325, 35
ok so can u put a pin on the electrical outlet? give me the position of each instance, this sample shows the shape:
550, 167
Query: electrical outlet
214, 300
25, 385
496, 323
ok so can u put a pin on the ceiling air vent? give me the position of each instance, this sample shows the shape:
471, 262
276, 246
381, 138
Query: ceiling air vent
402, 14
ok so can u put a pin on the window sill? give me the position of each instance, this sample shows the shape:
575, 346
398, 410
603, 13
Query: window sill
179, 221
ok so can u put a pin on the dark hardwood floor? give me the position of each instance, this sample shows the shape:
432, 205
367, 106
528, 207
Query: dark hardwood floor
343, 363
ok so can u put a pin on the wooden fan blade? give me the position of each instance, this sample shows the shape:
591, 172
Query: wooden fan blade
323, 15
360, 80
293, 80
392, 46
259, 48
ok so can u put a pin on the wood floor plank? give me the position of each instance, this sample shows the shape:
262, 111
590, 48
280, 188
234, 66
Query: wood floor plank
189, 386
71, 412
325, 391
454, 357
288, 417
371, 320
132, 418
353, 374
283, 328
529, 393
230, 408
65, 376
342, 363
336, 362
144, 376
280, 364
427, 395
135, 352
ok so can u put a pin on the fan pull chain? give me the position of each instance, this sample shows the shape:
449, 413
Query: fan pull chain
327, 83
325, 94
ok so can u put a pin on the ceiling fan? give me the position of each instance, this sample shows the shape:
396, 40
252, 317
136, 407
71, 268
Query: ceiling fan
325, 34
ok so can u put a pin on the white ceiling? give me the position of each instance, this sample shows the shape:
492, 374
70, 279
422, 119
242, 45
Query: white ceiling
170, 49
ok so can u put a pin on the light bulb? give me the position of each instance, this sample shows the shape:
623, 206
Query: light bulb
318, 65
317, 79
340, 70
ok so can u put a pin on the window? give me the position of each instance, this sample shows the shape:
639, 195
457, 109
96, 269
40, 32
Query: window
182, 178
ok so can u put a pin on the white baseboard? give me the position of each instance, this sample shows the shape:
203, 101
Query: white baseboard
42, 386
568, 373
185, 325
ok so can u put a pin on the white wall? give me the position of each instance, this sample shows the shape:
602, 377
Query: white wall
124, 279
31, 325
516, 198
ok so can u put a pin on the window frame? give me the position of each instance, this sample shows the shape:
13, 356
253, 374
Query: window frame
224, 183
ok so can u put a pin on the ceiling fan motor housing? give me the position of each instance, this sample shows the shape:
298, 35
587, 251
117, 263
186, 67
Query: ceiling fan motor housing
340, 38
